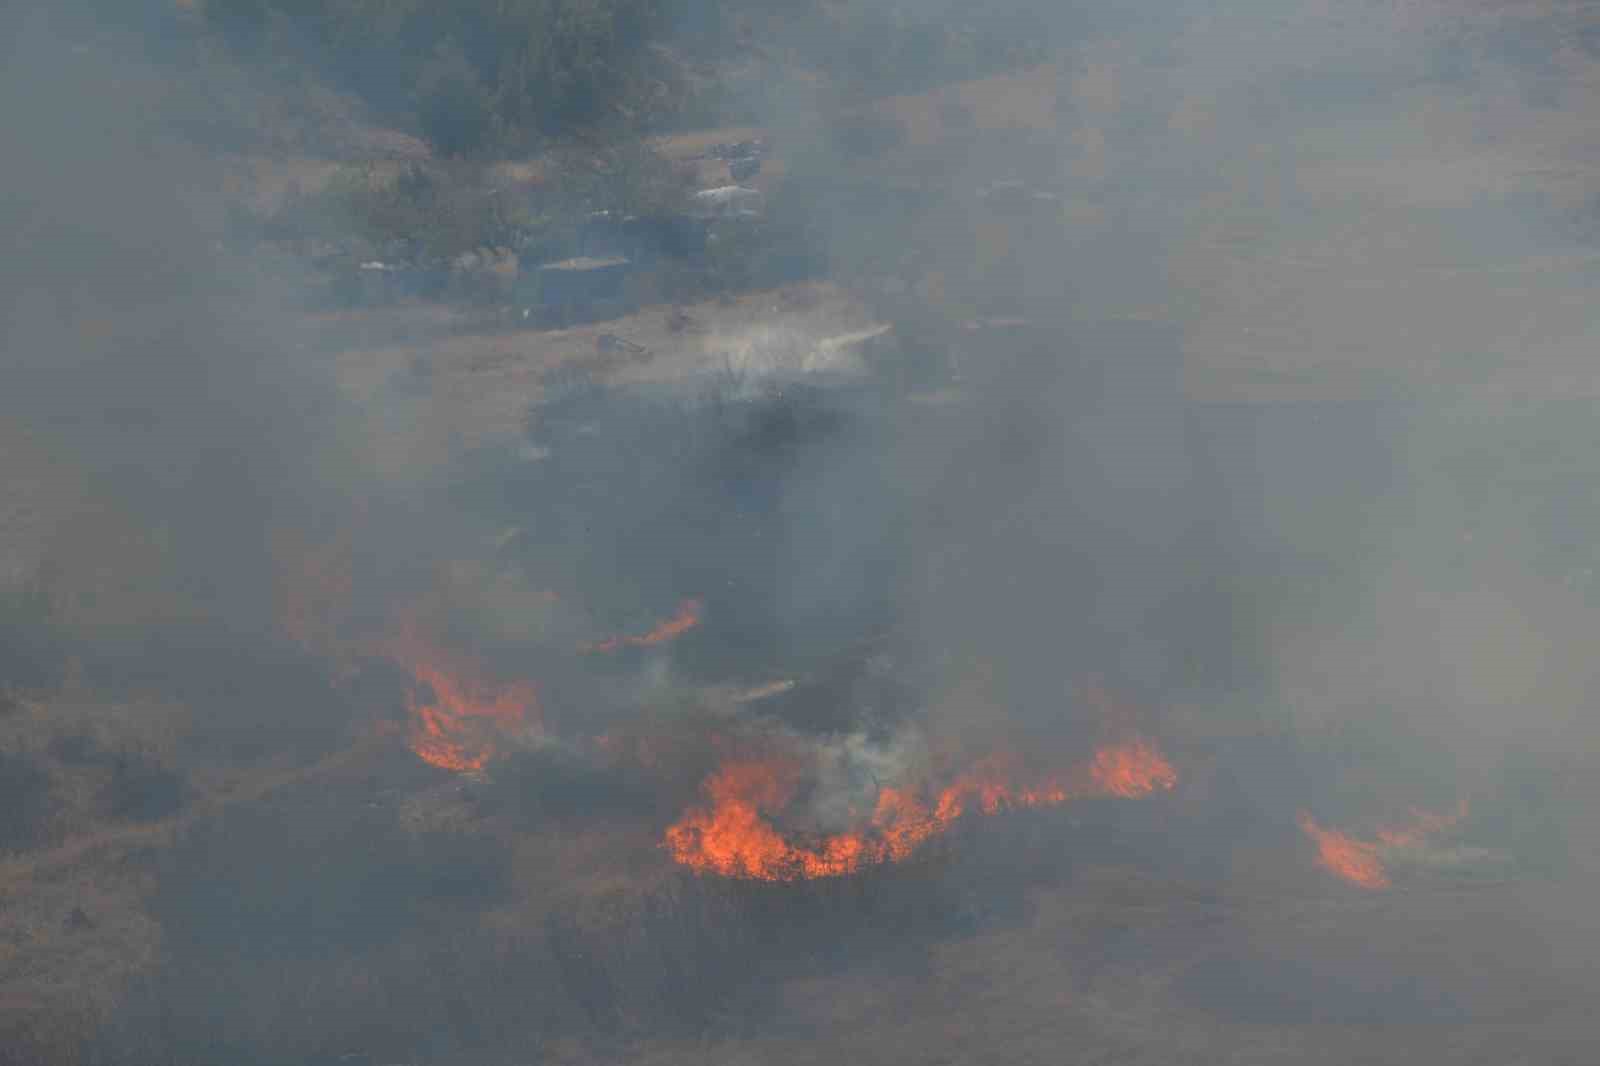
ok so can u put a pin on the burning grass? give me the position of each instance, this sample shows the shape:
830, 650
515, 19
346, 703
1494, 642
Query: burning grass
686, 618
457, 718
385, 908
305, 927
1364, 863
734, 834
379, 904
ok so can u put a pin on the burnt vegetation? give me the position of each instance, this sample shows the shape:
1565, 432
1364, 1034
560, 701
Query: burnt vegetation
737, 480
533, 788
361, 936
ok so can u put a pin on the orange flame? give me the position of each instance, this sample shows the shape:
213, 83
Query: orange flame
1355, 861
1360, 862
1424, 824
1132, 770
734, 836
461, 726
687, 618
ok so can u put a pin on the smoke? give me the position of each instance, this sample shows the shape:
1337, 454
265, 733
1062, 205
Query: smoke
1206, 313
1216, 386
139, 353
1295, 293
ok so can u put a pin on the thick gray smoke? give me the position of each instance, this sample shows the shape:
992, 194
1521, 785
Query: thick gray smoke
147, 363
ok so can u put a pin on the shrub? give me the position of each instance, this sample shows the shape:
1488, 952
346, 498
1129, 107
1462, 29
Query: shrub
427, 212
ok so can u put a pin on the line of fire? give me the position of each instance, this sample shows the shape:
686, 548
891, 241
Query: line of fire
774, 799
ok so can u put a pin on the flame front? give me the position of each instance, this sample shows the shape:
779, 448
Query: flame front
1352, 860
686, 618
1132, 770
1424, 824
462, 725
734, 836
1360, 862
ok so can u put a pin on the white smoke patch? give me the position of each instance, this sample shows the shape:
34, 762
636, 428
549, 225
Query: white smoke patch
755, 355
853, 769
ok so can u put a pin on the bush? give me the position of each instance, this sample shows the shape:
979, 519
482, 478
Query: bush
427, 212
621, 174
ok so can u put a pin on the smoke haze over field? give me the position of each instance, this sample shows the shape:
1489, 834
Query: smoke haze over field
1191, 429
136, 351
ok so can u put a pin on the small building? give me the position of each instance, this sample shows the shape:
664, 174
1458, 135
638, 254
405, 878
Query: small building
577, 286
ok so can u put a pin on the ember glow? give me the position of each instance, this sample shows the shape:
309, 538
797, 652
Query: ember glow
1361, 862
734, 834
686, 618
459, 721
